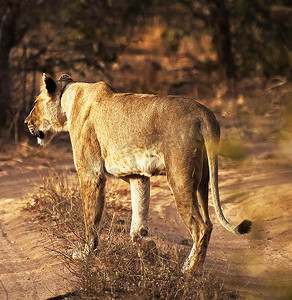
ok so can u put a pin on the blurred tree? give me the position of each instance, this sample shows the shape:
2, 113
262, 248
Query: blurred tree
12, 30
262, 37
96, 31
250, 37
215, 14
64, 35
220, 20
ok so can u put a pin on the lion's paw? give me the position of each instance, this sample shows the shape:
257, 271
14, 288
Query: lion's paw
81, 254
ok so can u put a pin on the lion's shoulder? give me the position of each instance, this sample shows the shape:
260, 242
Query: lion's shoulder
102, 85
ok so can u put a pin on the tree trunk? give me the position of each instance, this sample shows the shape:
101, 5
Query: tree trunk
5, 96
10, 35
222, 43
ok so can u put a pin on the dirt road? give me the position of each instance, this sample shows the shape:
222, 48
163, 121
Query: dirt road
27, 269
258, 265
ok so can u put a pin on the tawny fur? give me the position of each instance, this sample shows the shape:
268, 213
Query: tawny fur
135, 136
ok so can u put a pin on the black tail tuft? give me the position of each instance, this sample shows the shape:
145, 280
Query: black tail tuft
244, 227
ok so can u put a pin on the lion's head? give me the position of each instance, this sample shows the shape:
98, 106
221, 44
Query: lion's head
47, 117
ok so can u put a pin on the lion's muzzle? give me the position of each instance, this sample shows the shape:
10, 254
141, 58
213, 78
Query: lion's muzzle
34, 131
39, 135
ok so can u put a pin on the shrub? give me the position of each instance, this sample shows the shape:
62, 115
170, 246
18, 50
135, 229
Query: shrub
148, 269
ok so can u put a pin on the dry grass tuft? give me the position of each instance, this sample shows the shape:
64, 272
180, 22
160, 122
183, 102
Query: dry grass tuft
118, 268
232, 147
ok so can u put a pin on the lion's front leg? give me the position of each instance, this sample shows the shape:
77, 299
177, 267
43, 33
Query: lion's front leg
140, 196
93, 199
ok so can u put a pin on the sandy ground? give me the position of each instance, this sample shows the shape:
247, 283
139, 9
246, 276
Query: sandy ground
258, 265
27, 269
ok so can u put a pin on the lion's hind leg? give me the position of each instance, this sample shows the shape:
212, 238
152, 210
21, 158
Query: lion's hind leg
203, 193
184, 180
199, 231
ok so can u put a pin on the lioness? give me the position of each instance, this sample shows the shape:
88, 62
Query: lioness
136, 136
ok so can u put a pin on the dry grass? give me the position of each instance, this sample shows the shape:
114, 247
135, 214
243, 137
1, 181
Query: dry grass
118, 268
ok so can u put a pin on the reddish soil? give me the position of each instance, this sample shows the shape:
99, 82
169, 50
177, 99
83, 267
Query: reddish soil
257, 265
27, 269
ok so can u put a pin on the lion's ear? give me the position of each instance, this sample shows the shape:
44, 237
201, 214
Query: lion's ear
49, 84
65, 77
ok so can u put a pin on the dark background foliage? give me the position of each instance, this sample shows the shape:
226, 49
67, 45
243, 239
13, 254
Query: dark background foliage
249, 38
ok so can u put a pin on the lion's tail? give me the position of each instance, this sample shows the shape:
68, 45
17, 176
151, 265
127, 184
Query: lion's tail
211, 136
